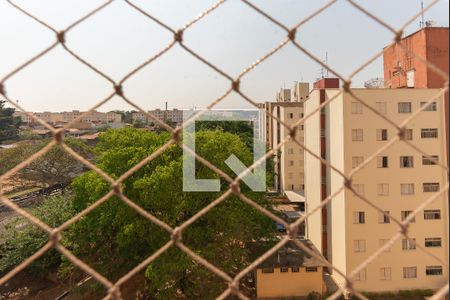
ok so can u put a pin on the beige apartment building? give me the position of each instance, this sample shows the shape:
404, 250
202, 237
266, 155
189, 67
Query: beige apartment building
348, 231
65, 117
289, 161
174, 115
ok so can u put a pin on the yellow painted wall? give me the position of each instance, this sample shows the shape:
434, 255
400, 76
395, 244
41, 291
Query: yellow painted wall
288, 284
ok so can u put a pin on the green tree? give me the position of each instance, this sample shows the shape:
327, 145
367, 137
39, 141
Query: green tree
114, 238
20, 238
56, 166
9, 125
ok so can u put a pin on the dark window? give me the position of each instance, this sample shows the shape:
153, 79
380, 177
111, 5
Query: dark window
382, 162
284, 270
311, 269
429, 133
432, 214
430, 160
406, 161
430, 107
267, 270
433, 242
433, 270
295, 269
430, 187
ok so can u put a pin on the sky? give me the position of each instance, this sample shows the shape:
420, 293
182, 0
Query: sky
118, 39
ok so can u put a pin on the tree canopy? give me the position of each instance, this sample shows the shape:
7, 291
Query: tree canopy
114, 238
56, 166
9, 124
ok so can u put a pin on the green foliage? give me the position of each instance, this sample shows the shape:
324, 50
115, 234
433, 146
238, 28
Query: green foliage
9, 125
54, 167
114, 238
138, 124
244, 129
20, 239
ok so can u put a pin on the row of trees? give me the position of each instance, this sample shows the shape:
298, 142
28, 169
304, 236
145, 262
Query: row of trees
114, 238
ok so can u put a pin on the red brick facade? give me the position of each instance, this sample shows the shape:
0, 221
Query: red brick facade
430, 43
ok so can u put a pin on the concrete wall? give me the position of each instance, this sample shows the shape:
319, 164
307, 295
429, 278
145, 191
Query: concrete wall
288, 284
312, 171
337, 208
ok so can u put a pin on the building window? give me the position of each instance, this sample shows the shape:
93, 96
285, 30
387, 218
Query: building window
267, 270
385, 273
359, 245
433, 270
407, 188
408, 135
311, 269
382, 162
430, 160
290, 151
406, 161
291, 115
381, 107
291, 163
359, 217
360, 276
430, 187
409, 244
357, 108
405, 214
434, 214
356, 161
382, 242
433, 242
357, 135
383, 189
404, 107
382, 134
359, 188
295, 269
429, 133
430, 107
383, 218
284, 270
410, 272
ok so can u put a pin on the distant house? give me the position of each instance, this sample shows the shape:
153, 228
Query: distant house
290, 272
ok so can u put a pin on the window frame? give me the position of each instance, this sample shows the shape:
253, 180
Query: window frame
412, 270
431, 187
382, 135
402, 106
429, 133
432, 212
430, 268
407, 161
434, 242
357, 135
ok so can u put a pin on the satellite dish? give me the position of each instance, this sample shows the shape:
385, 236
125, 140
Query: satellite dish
376, 83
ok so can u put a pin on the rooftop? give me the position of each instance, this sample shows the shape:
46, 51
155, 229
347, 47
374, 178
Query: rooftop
292, 256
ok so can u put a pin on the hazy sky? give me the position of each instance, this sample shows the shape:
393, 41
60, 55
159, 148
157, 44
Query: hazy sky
232, 37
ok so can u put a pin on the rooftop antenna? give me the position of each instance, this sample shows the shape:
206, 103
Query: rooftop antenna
324, 70
422, 16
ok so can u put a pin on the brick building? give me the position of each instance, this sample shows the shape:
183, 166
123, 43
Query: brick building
403, 70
